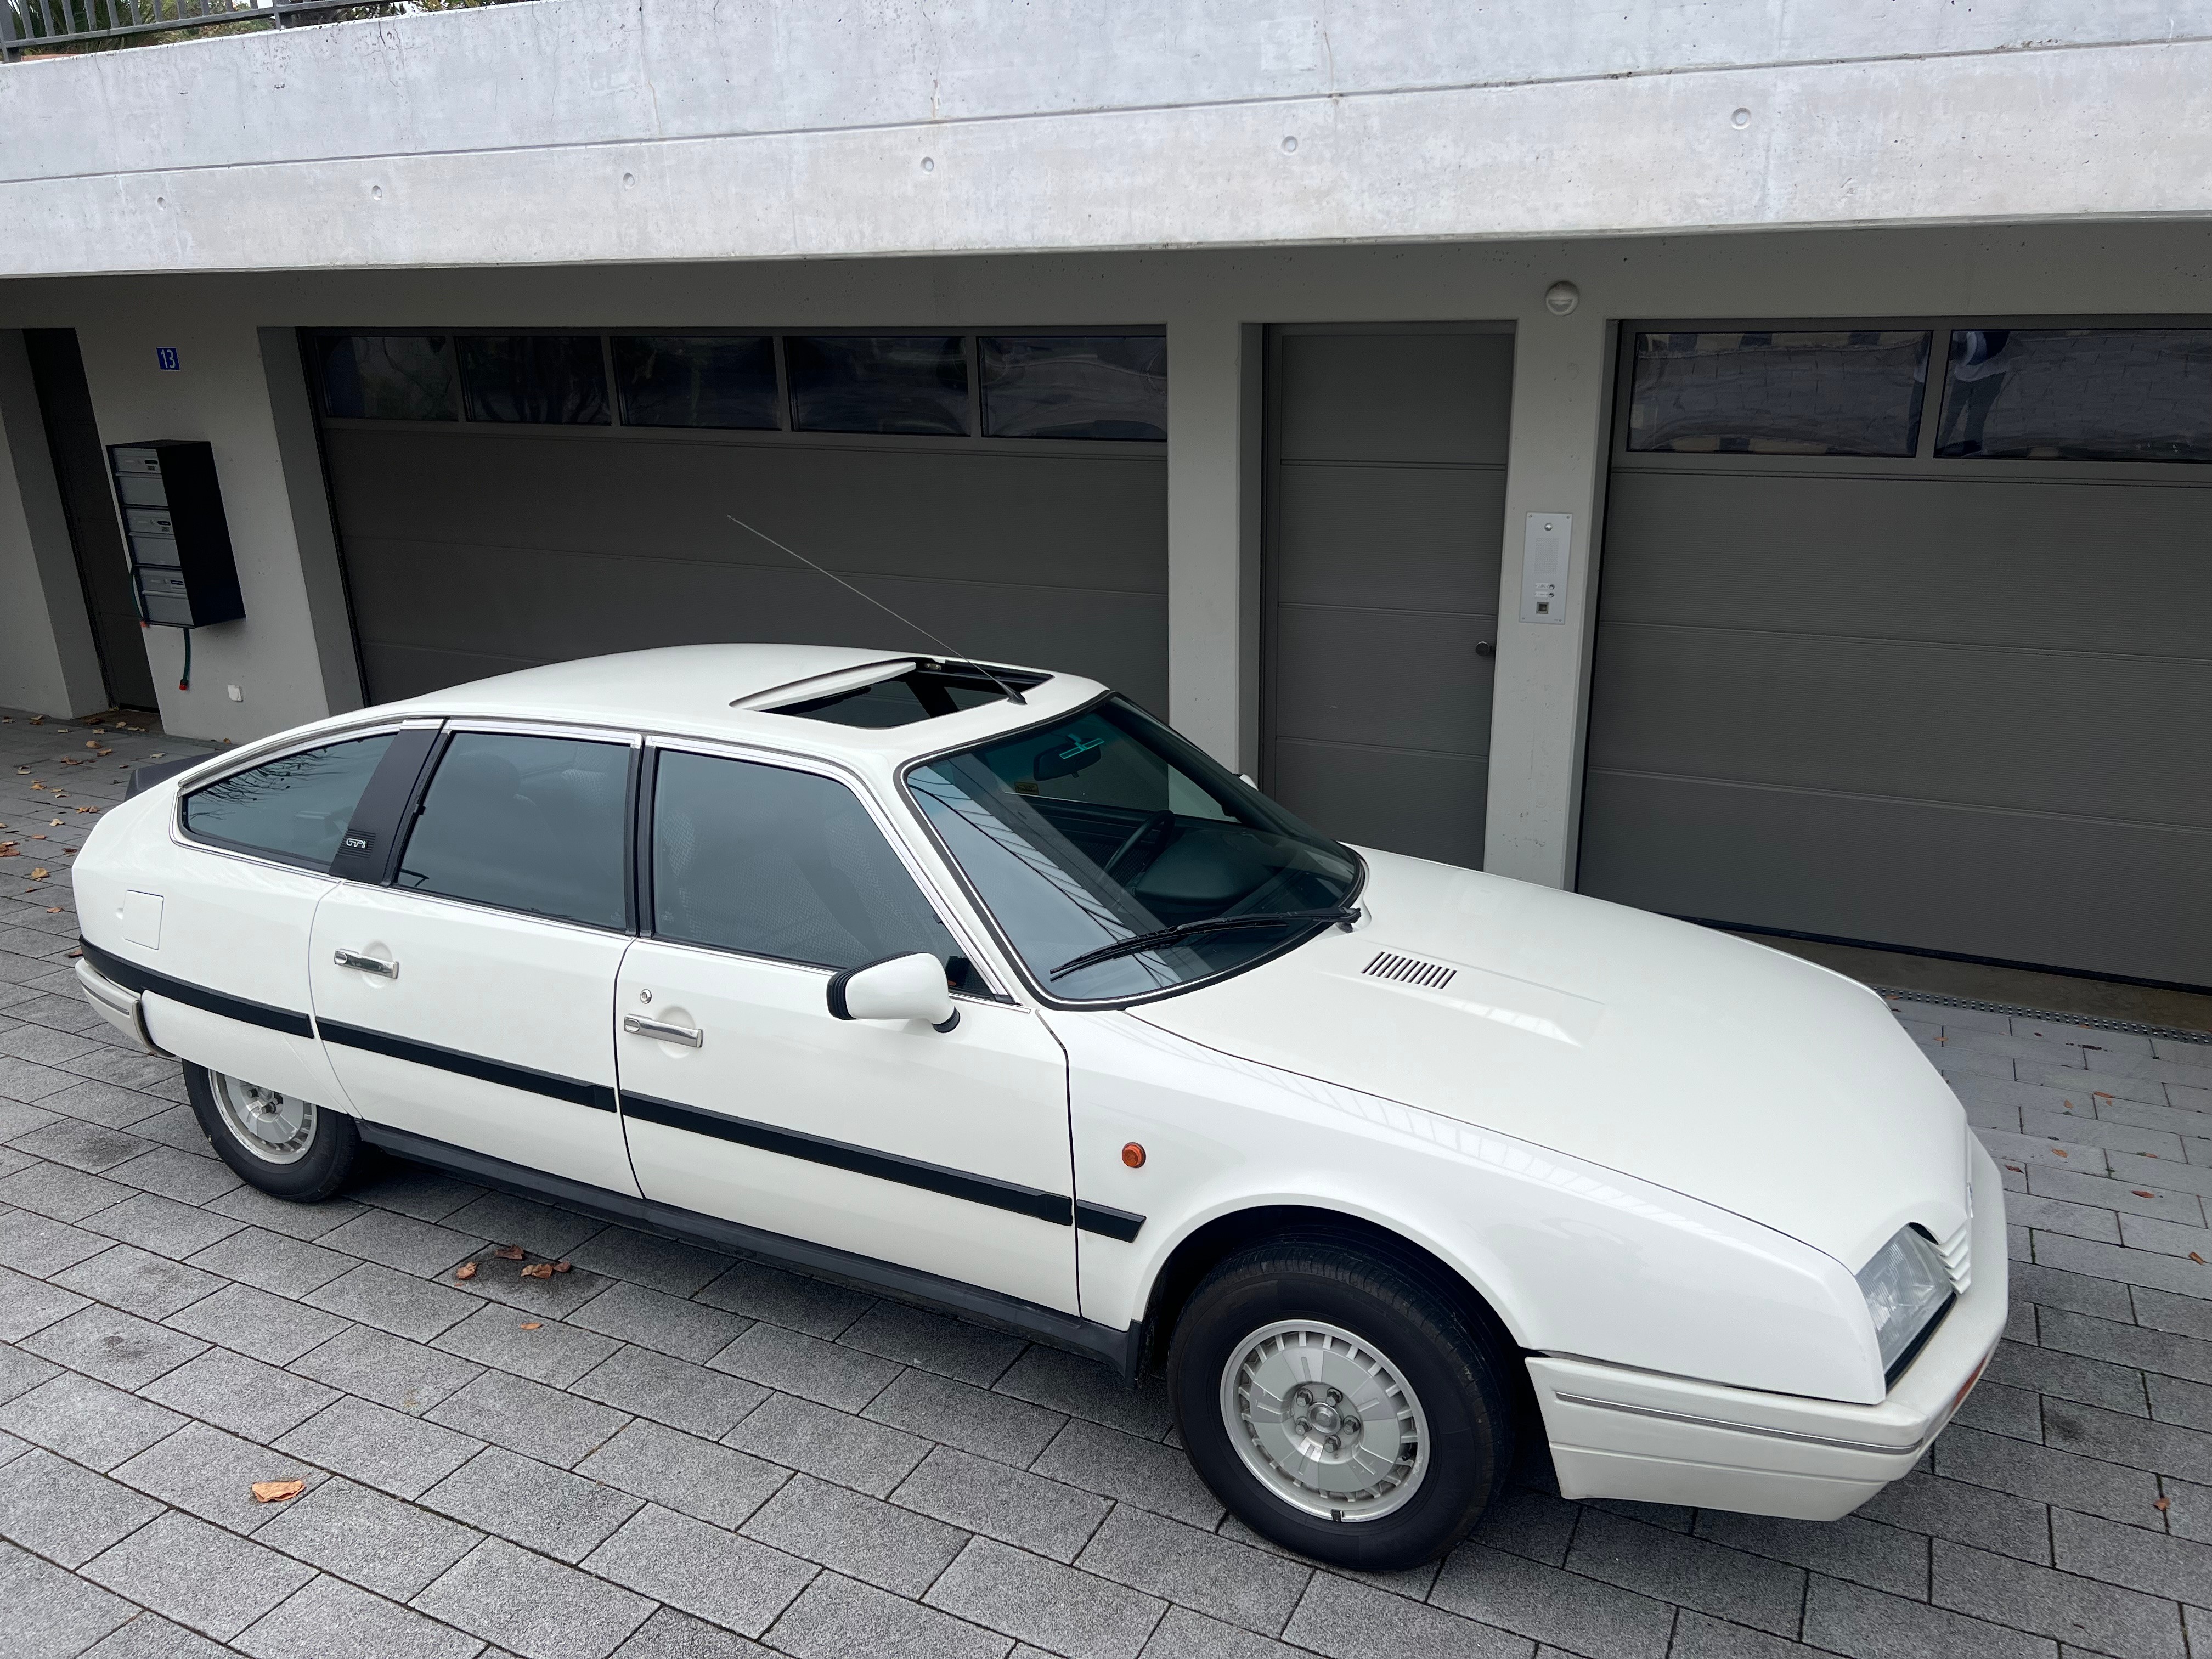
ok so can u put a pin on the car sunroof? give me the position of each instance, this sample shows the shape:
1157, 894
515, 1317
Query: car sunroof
921, 693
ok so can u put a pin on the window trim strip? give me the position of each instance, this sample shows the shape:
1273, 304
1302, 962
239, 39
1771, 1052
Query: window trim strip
599, 1096
145, 980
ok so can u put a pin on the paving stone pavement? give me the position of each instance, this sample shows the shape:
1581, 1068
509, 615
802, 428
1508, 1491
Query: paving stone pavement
674, 1452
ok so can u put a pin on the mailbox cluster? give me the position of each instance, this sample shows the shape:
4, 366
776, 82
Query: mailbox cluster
181, 560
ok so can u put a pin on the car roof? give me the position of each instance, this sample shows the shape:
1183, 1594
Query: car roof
689, 690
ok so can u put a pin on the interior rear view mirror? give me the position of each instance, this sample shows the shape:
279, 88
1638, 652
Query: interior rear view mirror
898, 987
1064, 759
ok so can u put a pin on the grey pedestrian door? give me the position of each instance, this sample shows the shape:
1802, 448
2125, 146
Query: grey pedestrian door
1904, 637
1386, 474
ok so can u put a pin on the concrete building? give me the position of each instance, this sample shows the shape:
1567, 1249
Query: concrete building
1747, 459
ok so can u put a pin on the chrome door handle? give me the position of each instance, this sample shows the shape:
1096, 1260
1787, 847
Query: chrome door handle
365, 964
662, 1031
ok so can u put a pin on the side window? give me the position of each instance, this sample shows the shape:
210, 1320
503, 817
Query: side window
526, 823
295, 809
783, 863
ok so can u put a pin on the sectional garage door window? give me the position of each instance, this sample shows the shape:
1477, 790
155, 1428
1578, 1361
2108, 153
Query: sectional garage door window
1906, 638
507, 498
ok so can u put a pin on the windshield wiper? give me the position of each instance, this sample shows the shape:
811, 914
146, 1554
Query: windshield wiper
1152, 941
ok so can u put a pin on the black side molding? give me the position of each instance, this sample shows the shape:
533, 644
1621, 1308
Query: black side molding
597, 1096
131, 977
1102, 1218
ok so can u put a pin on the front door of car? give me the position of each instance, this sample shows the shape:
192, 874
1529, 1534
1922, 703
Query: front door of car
469, 1001
745, 1098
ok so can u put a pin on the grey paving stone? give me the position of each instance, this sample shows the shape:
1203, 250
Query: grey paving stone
2174, 1401
2179, 1569
1062, 1383
2047, 1287
282, 1215
528, 1416
91, 1147
555, 1296
2068, 1376
207, 1472
163, 1225
2044, 1473
807, 1366
838, 1618
672, 1635
87, 1422
1528, 1523
393, 1301
2074, 1610
50, 1506
653, 1319
26, 1081
1863, 1552
681, 1471
1179, 1564
254, 1322
188, 1177
389, 1370
791, 1300
329, 1619
2126, 1344
402, 1242
531, 1607
1182, 1634
2092, 1260
1865, 1624
1122, 1467
950, 1347
664, 1264
359, 1533
865, 1538
18, 1119
993, 1425
150, 1636
1346, 1620
1697, 1636
2181, 1315
552, 1352
210, 1580
29, 1304
1026, 1596
2137, 1198
47, 1613
272, 1261
138, 1281
380, 1448
728, 1581
1512, 1592
113, 1346
2114, 1438
980, 1496
869, 1457
38, 1245
96, 1101
2142, 1232
540, 1228
412, 1189
2189, 1509
1746, 1589
670, 1391
1999, 1408
242, 1395
531, 1504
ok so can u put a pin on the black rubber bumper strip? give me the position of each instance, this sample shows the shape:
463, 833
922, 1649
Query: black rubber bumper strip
599, 1096
1120, 1225
131, 977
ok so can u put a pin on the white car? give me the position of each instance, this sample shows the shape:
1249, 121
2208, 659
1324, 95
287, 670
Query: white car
978, 986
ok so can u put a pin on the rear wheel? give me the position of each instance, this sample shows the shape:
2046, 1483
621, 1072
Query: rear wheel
1339, 1405
287, 1146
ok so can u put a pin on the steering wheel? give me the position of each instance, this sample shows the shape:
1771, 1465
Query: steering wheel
1145, 837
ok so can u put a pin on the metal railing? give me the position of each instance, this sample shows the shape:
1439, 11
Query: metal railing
37, 27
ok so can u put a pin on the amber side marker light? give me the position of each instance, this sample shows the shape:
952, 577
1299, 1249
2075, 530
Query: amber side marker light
1134, 1156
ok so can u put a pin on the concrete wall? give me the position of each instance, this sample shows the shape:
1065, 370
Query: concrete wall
48, 663
573, 131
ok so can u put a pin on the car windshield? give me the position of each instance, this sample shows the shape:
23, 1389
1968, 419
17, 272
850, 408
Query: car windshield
1087, 836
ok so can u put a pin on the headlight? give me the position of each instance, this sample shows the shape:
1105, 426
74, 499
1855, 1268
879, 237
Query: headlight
1905, 1287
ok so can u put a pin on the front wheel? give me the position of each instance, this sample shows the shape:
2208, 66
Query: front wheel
288, 1147
1338, 1405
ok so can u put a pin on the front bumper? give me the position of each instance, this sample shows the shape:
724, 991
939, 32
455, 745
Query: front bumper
123, 1009
1659, 1439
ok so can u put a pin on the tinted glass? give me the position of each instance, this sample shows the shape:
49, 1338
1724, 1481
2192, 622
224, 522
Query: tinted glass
386, 377
1835, 393
922, 693
551, 380
783, 863
668, 380
2079, 394
877, 383
1063, 386
1094, 830
526, 823
296, 808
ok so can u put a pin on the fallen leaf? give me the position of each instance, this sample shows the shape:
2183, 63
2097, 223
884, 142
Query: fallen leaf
38, 719
564, 1267
38, 786
2139, 1193
8, 850
2061, 1151
275, 1492
2197, 1259
92, 742
38, 874
538, 1270
533, 1325
54, 909
2160, 1505
87, 809
509, 1253
466, 1271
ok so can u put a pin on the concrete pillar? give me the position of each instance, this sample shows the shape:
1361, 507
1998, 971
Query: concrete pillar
1555, 464
1213, 536
48, 663
308, 496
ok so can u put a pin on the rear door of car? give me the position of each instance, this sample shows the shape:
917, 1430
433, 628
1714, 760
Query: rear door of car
465, 993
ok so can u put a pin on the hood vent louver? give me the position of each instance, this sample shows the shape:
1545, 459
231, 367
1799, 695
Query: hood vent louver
1410, 970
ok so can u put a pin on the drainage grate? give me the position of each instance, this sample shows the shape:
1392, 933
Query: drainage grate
2133, 1027
1411, 970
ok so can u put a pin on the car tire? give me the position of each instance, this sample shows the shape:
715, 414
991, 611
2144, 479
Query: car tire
286, 1147
1358, 1333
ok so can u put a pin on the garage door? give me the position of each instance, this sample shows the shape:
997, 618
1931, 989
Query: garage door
1906, 638
508, 499
1386, 508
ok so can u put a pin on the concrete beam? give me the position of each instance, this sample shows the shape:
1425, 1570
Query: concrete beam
48, 662
1213, 536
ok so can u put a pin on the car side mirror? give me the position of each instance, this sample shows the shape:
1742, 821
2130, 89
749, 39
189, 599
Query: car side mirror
897, 988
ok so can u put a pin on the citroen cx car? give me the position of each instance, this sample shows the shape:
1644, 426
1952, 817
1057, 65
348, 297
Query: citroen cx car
978, 986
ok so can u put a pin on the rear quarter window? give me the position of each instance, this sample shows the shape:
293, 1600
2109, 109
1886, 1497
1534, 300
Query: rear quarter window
295, 808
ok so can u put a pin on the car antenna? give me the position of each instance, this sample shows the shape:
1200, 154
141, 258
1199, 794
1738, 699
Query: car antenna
1013, 696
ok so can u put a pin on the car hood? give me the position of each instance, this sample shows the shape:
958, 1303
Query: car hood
1681, 1055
